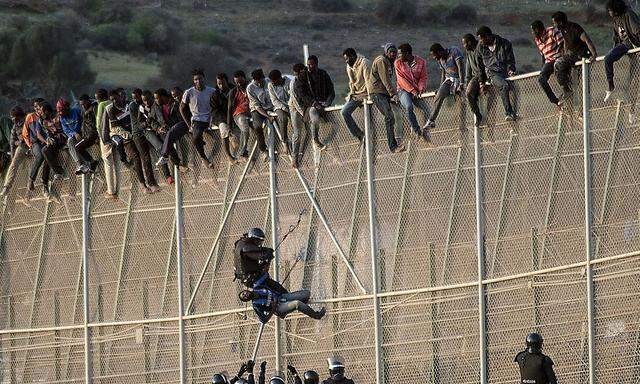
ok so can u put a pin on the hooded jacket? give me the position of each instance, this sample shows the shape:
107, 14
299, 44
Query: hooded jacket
358, 78
380, 76
501, 60
630, 24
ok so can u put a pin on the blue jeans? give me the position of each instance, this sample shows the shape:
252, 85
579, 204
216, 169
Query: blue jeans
347, 111
408, 102
614, 55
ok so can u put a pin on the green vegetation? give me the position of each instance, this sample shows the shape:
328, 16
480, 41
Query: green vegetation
115, 69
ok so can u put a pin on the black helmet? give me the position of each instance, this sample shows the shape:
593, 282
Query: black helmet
256, 233
242, 381
276, 380
311, 377
245, 295
534, 342
219, 378
336, 368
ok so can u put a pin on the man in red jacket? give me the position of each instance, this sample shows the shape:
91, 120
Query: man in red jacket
411, 72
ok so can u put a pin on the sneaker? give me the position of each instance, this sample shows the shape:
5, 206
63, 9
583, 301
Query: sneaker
154, 188
30, 186
510, 117
161, 161
426, 136
170, 180
45, 191
478, 119
82, 169
320, 313
146, 190
429, 124
207, 163
232, 160
398, 148
58, 176
607, 96
111, 196
321, 146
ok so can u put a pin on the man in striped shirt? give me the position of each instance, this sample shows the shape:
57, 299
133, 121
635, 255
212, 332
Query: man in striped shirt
549, 42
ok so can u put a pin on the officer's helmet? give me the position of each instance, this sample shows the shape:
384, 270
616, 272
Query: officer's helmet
336, 368
245, 295
534, 342
276, 380
242, 381
256, 233
219, 379
311, 377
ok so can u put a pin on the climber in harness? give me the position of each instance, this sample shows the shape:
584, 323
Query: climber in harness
252, 261
267, 302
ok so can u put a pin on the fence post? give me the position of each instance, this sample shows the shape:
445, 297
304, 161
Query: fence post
482, 302
88, 369
179, 235
373, 245
274, 234
586, 101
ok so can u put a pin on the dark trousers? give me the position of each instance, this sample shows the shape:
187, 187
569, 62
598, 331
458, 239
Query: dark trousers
142, 146
443, 92
473, 95
198, 130
347, 111
172, 137
543, 79
502, 85
614, 55
383, 104
563, 68
83, 147
136, 162
45, 156
256, 126
155, 140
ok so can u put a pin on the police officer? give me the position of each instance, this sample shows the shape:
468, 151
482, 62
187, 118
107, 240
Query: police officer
336, 372
246, 367
310, 377
252, 260
535, 367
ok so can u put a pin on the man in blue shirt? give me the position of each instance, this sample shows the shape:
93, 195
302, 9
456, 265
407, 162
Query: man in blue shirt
451, 62
71, 122
267, 301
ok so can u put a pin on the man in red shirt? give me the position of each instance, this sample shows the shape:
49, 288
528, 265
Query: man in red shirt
238, 112
549, 42
411, 72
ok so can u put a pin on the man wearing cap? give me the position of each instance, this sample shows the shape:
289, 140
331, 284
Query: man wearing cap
336, 372
71, 123
383, 93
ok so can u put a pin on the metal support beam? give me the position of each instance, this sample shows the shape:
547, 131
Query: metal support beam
88, 369
373, 243
273, 203
452, 212
224, 222
552, 187
586, 101
179, 264
56, 336
122, 265
434, 370
257, 345
611, 164
312, 236
482, 304
535, 266
353, 227
403, 205
38, 280
323, 219
506, 179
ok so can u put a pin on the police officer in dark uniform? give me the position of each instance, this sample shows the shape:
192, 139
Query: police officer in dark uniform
309, 377
252, 261
219, 378
336, 372
535, 367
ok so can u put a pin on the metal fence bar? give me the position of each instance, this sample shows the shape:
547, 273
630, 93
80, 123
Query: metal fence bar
224, 221
274, 236
586, 100
88, 369
179, 264
373, 234
482, 300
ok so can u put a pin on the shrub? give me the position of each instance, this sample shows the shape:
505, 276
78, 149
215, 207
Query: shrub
462, 14
396, 11
330, 6
154, 31
107, 36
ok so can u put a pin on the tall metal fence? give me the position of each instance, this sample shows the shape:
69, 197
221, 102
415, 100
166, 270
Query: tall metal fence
434, 263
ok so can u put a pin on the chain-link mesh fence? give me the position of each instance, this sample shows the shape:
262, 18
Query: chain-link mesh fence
431, 320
